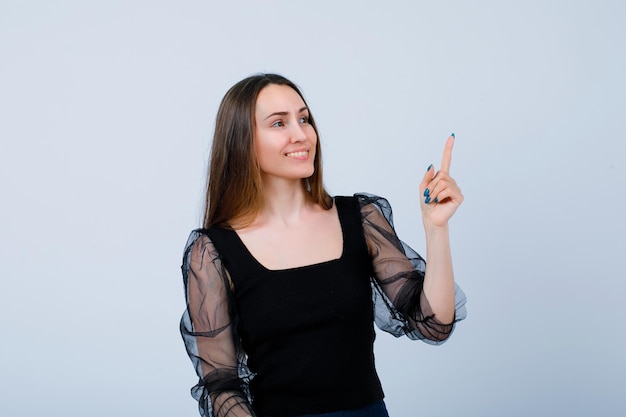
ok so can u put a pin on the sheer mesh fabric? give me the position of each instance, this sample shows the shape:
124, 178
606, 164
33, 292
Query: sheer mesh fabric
207, 327
209, 322
401, 306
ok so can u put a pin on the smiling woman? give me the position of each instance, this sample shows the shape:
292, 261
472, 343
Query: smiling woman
284, 283
284, 140
235, 191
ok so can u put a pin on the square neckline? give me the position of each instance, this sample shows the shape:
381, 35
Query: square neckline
300, 267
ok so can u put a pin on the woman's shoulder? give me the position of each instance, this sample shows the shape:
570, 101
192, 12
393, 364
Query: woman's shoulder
364, 198
198, 241
204, 234
369, 198
368, 201
196, 234
374, 208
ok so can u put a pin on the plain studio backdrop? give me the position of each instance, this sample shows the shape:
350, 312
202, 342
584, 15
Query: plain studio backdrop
106, 116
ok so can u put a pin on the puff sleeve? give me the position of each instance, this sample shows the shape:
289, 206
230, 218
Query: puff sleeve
401, 307
208, 330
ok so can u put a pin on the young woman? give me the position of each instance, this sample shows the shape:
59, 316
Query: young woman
283, 283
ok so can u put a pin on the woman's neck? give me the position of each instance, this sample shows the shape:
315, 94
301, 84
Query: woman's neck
284, 201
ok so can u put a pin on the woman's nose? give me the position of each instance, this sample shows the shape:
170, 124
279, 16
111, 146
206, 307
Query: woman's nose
298, 133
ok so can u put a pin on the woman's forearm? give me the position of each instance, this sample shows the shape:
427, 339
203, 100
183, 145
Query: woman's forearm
439, 278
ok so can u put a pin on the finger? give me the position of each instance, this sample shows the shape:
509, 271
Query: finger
445, 191
440, 197
439, 178
428, 177
438, 183
436, 186
447, 154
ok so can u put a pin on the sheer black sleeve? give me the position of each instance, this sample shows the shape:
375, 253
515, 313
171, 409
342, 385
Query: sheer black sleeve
208, 332
401, 305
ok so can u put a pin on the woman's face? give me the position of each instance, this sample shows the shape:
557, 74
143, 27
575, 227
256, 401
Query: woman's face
284, 141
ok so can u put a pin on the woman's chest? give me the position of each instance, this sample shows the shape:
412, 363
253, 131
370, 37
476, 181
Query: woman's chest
275, 305
279, 246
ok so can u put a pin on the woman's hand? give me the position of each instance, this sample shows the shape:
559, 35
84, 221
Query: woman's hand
441, 196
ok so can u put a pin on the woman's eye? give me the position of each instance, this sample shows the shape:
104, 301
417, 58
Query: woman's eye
278, 123
304, 119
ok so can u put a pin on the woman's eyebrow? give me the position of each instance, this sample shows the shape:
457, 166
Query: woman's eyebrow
285, 113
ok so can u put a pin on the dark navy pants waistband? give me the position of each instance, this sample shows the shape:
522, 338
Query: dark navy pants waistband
378, 409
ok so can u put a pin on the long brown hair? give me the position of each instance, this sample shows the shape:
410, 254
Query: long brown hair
234, 186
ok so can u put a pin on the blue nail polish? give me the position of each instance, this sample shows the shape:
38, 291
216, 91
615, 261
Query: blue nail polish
429, 167
426, 192
427, 200
453, 135
436, 200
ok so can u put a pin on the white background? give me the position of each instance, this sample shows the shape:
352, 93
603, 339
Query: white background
106, 116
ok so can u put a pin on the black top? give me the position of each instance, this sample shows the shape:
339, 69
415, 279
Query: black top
308, 331
299, 340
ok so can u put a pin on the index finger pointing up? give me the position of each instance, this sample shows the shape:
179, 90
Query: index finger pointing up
447, 155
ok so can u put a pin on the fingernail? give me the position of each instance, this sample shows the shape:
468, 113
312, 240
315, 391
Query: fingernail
436, 200
426, 192
429, 167
427, 200
453, 135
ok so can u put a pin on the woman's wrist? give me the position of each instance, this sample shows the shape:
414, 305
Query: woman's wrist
432, 230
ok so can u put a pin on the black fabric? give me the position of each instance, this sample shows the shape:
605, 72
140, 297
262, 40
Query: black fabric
210, 324
378, 409
308, 331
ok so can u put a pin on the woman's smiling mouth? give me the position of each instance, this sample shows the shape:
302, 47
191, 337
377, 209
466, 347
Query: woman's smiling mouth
298, 154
